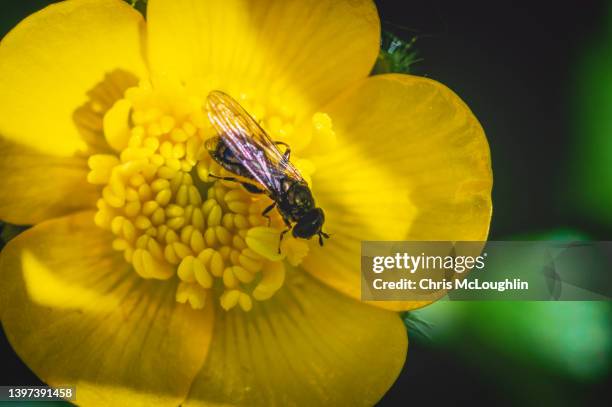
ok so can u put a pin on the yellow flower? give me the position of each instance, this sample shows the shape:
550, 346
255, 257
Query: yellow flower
145, 282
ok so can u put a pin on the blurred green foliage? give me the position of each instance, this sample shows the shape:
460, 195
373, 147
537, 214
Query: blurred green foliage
590, 187
568, 338
572, 340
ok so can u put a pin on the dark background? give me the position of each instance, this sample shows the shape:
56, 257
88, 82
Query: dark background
514, 64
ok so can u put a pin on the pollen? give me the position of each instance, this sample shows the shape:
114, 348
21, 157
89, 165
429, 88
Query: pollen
171, 220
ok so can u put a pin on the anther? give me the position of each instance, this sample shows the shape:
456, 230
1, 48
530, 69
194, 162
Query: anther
157, 214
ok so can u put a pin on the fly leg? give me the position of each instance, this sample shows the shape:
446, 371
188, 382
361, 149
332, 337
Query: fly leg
267, 210
321, 236
283, 233
254, 189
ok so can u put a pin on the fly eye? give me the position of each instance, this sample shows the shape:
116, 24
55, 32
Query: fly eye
309, 225
315, 218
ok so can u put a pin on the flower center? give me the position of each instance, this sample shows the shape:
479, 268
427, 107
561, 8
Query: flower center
171, 219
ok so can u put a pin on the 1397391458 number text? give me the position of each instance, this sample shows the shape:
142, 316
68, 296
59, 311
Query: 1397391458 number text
13, 393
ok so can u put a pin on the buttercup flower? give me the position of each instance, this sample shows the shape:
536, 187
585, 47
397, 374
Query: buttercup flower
144, 281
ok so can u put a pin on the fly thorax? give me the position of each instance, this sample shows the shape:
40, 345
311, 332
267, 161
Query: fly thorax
300, 197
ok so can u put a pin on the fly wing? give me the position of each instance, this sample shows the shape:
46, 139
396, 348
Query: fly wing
249, 142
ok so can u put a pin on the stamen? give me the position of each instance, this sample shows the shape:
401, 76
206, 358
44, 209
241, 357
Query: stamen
171, 220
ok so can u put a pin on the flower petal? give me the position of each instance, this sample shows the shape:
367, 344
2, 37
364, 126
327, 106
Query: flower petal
39, 187
412, 163
307, 346
283, 49
53, 58
77, 314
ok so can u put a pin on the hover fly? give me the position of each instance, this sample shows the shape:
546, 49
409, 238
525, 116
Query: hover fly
243, 148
